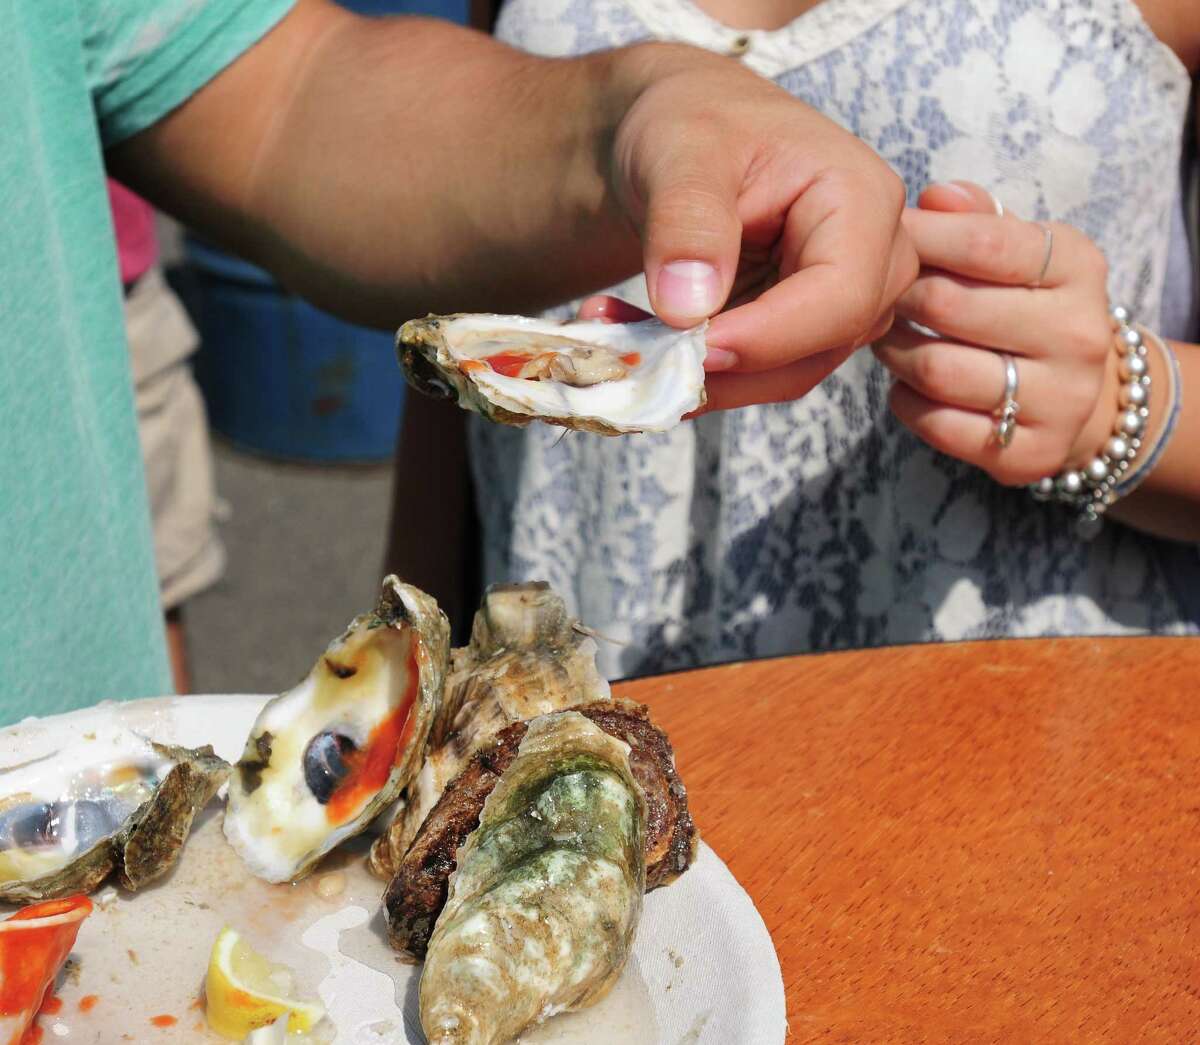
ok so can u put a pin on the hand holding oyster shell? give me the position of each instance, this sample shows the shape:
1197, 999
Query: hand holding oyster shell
612, 379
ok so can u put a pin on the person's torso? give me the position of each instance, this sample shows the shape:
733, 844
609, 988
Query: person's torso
823, 523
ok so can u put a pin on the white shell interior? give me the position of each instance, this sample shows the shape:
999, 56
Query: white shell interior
665, 384
279, 826
57, 807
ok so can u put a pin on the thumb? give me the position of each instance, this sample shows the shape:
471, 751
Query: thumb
691, 240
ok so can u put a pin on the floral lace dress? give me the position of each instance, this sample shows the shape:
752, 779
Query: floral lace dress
823, 523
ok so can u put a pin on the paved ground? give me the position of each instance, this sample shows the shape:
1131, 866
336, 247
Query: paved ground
305, 551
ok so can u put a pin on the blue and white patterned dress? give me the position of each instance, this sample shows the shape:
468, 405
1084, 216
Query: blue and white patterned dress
823, 523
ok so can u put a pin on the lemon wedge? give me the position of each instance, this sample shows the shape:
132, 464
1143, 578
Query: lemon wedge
244, 991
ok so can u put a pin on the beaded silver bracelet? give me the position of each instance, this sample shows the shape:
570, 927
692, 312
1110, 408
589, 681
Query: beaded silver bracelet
1094, 488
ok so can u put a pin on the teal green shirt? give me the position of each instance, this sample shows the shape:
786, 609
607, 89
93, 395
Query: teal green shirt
80, 619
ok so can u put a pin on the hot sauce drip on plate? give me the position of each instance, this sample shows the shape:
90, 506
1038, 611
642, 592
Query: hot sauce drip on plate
370, 766
88, 1002
631, 358
164, 1021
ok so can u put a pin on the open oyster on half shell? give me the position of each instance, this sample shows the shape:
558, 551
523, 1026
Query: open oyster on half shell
109, 801
323, 759
609, 378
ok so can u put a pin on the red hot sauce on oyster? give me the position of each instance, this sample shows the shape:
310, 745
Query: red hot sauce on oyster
371, 764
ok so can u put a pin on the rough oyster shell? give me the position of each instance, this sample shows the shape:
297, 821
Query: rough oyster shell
325, 758
116, 802
415, 896
547, 896
609, 378
527, 657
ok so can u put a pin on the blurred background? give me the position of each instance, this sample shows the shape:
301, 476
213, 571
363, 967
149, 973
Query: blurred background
306, 413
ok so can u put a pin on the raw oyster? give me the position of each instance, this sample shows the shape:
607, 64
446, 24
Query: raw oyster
415, 896
527, 657
544, 905
610, 378
323, 759
34, 944
112, 801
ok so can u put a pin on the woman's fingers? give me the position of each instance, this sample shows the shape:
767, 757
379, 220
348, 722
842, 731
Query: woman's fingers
960, 197
730, 390
970, 436
609, 309
999, 250
842, 259
957, 375
971, 378
1038, 324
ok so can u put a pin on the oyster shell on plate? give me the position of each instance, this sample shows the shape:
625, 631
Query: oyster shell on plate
109, 801
325, 758
609, 378
543, 908
527, 657
414, 897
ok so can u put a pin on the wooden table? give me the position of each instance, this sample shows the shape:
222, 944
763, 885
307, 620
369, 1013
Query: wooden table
992, 841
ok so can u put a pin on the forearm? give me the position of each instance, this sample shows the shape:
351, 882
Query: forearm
390, 167
1167, 503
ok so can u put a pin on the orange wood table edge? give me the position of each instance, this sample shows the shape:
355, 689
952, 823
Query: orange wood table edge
982, 841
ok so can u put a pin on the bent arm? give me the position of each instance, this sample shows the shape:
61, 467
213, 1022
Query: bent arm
388, 167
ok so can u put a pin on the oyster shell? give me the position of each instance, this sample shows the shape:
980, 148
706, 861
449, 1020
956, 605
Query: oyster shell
415, 896
527, 657
609, 378
323, 759
543, 907
116, 802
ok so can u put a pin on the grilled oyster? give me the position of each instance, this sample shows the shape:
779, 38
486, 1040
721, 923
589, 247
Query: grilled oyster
610, 378
544, 905
325, 758
415, 896
111, 801
527, 657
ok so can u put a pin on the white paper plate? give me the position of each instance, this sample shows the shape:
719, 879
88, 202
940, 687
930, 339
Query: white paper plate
703, 969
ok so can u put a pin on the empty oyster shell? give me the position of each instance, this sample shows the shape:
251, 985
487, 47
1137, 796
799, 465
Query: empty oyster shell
609, 378
527, 657
543, 907
116, 802
323, 759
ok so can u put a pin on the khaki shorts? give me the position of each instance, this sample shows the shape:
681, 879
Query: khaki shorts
173, 429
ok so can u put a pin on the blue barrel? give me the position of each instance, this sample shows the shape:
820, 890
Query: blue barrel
281, 377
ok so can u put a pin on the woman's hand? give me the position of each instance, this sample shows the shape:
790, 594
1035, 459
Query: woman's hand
756, 210
983, 290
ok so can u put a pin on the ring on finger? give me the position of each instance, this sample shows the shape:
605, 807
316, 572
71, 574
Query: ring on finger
1048, 236
1006, 412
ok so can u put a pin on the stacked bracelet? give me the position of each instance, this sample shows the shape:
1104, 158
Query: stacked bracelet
1092, 489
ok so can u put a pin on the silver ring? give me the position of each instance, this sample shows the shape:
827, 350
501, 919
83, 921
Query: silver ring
1006, 412
1048, 235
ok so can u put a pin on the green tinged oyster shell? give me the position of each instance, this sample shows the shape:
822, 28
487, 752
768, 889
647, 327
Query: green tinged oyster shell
543, 908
